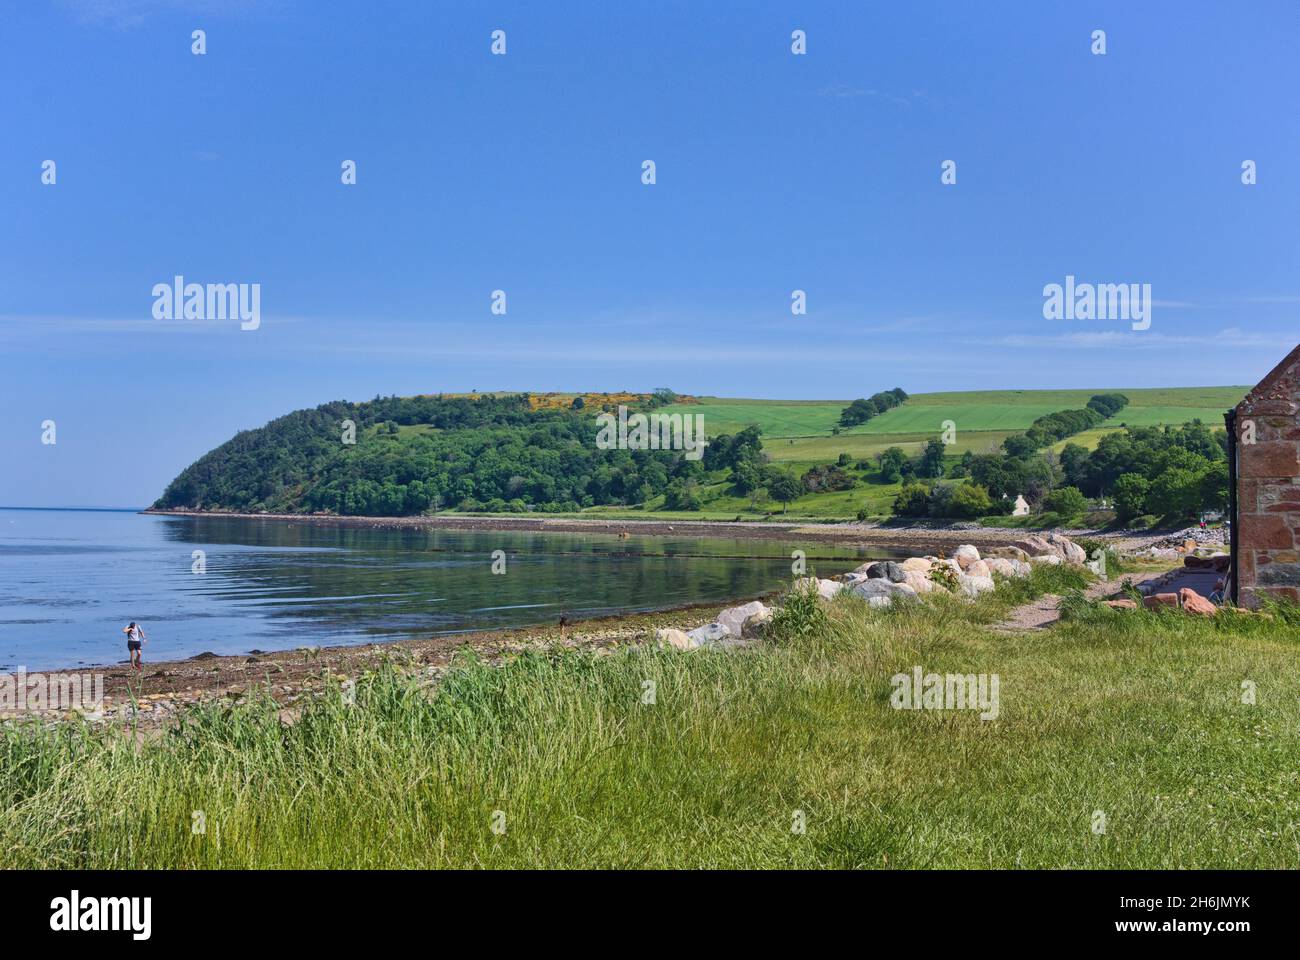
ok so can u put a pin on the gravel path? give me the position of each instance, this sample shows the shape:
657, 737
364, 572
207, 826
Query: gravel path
1046, 610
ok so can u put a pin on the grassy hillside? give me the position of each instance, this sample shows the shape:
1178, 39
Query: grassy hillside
522, 453
800, 431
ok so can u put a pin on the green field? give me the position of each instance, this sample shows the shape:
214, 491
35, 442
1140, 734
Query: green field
778, 418
975, 411
799, 432
859, 445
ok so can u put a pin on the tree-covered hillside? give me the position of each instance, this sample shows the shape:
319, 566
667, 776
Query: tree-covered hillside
414, 454
522, 452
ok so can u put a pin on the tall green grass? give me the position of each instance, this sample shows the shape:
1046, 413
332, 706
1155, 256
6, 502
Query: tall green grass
1139, 716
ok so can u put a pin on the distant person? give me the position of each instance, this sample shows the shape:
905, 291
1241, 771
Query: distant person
134, 641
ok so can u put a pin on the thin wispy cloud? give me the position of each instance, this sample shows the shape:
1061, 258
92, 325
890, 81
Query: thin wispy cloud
846, 91
1113, 339
18, 326
1223, 303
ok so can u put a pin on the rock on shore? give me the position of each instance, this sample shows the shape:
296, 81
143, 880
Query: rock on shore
733, 626
883, 582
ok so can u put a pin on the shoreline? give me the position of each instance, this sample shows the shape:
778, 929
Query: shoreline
165, 686
910, 539
841, 533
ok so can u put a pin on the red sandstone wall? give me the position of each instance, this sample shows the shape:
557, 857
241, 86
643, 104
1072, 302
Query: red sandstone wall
1268, 486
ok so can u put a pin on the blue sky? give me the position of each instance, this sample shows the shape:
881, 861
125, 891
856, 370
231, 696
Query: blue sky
478, 172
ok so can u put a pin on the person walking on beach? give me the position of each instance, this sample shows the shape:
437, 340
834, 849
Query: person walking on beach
134, 641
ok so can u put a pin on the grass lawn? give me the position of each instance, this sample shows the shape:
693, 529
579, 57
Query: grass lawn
1136, 715
778, 418
859, 445
719, 504
1088, 439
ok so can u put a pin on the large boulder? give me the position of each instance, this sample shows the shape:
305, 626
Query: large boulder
1006, 553
945, 574
880, 592
1193, 602
1054, 545
973, 586
919, 582
679, 639
904, 592
875, 587
1157, 600
1217, 562
826, 589
886, 569
1070, 551
733, 618
1159, 553
1046, 560
710, 633
1000, 566
1023, 569
965, 555
917, 565
1035, 546
980, 568
755, 624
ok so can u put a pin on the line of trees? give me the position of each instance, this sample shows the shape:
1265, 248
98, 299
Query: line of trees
863, 409
1108, 404
1053, 427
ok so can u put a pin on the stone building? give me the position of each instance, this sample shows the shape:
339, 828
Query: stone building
1266, 534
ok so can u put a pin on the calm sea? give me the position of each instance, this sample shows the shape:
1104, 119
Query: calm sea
70, 580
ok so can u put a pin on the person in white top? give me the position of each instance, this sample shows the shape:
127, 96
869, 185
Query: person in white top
134, 641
